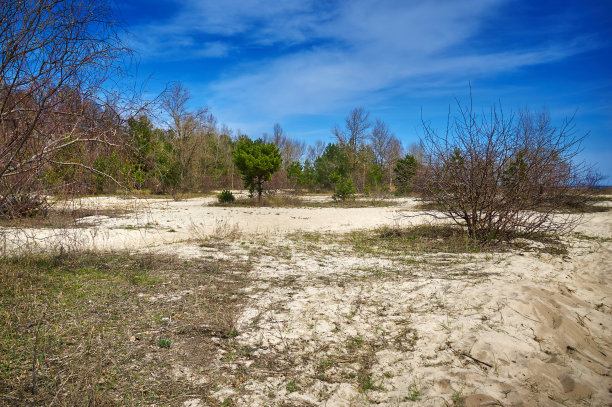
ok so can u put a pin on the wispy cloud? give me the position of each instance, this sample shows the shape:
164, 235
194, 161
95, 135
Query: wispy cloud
316, 56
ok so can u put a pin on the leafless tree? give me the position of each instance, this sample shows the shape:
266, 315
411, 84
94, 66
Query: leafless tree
315, 151
355, 130
386, 147
188, 126
57, 58
500, 175
416, 150
351, 138
291, 150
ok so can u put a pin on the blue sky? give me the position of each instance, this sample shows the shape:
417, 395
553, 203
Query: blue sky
306, 63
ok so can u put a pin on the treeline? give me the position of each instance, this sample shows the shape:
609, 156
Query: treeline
190, 152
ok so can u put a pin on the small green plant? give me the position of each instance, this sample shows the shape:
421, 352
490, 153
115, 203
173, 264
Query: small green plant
292, 387
163, 343
226, 196
355, 342
457, 398
366, 382
232, 333
414, 394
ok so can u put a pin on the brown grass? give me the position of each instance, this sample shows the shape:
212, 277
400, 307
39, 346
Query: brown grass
566, 207
93, 329
427, 239
287, 201
61, 218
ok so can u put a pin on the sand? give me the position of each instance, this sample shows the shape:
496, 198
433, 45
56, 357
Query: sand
512, 329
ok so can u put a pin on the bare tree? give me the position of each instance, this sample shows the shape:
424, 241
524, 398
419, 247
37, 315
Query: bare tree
499, 175
315, 151
187, 126
56, 58
416, 150
291, 150
355, 131
386, 147
351, 139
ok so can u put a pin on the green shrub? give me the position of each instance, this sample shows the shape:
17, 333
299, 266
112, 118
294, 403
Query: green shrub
226, 196
343, 188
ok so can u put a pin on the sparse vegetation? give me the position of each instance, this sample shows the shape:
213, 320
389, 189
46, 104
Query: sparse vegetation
290, 201
431, 239
83, 329
164, 343
292, 386
63, 218
167, 326
414, 394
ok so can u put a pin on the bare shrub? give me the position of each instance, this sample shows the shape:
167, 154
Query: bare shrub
499, 175
223, 232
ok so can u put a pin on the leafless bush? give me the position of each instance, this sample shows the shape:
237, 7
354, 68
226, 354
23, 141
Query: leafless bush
224, 231
501, 175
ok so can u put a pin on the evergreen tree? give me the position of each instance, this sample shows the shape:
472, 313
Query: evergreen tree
256, 161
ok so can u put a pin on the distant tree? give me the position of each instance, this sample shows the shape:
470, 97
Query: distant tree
187, 129
291, 150
309, 176
405, 169
315, 151
351, 138
386, 148
295, 174
355, 130
256, 161
333, 161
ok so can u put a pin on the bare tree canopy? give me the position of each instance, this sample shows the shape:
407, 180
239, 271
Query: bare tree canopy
500, 174
291, 150
355, 131
56, 58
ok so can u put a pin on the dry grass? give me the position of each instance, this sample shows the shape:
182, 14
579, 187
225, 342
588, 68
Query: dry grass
288, 201
108, 329
429, 239
567, 206
62, 218
224, 233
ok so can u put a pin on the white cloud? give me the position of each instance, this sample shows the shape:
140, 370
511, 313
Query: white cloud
345, 52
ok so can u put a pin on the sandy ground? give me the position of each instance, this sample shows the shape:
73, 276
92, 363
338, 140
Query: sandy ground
512, 329
157, 222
